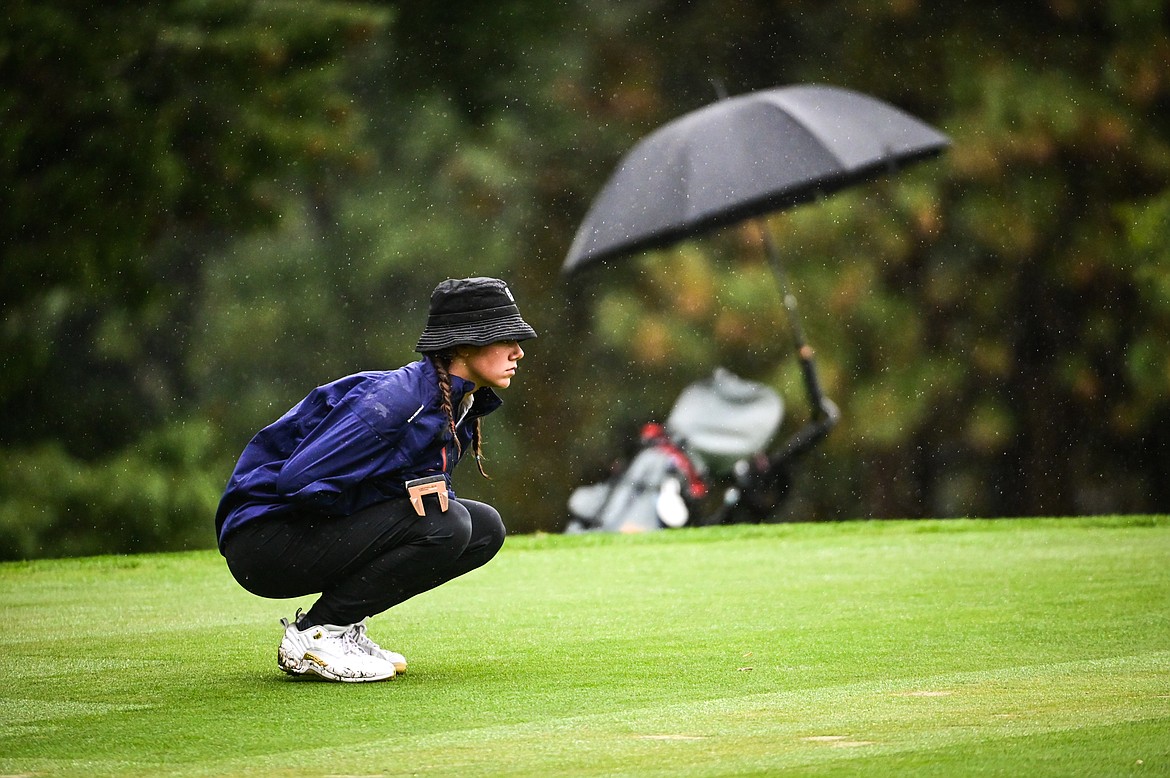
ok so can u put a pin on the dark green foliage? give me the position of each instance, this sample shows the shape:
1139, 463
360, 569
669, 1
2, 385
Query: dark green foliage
211, 207
135, 135
153, 496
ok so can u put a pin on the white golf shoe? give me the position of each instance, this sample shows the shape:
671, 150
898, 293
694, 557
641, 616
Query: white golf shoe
373, 649
330, 652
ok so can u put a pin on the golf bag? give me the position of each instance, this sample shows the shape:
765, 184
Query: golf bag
715, 436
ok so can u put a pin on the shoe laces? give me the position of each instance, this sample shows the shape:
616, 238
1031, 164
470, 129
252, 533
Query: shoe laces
350, 644
344, 640
357, 633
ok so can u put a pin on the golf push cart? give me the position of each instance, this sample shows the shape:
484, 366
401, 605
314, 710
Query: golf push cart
709, 463
737, 159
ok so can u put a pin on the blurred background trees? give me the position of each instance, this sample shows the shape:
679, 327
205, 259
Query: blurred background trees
212, 206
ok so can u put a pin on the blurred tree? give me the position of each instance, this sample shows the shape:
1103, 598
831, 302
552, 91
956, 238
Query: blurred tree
135, 137
1018, 273
980, 330
134, 134
187, 253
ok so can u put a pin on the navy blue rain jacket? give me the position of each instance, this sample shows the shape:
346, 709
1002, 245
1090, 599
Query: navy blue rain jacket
351, 444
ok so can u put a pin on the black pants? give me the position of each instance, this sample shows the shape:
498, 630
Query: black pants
365, 563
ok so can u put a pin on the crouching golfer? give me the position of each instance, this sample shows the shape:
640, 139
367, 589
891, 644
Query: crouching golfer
348, 494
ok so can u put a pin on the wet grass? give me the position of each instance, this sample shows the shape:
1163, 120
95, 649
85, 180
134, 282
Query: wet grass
1036, 647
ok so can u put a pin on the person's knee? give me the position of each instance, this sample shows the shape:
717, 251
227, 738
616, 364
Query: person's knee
460, 524
495, 532
487, 528
450, 529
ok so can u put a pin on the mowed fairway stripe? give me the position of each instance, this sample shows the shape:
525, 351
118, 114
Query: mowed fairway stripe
785, 729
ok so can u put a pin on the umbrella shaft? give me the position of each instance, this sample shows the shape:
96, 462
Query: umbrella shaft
822, 408
790, 308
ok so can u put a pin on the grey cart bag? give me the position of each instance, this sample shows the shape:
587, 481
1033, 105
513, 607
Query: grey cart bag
717, 434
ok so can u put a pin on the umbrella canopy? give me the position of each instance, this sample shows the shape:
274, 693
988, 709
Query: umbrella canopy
745, 156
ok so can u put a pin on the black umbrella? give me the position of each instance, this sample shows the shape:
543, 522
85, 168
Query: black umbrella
742, 157
745, 156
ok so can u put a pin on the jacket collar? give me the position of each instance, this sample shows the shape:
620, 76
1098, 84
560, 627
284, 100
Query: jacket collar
486, 399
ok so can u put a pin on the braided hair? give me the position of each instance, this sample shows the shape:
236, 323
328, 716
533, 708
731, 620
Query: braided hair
442, 362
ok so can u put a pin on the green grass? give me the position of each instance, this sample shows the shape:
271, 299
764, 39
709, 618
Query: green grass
1030, 647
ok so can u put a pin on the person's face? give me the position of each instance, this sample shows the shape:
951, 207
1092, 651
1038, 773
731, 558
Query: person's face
491, 365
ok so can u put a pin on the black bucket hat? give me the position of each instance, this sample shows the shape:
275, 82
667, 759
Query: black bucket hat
474, 312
